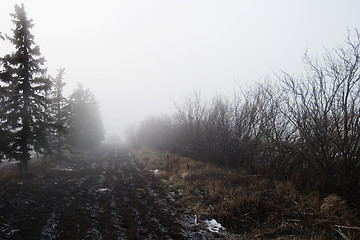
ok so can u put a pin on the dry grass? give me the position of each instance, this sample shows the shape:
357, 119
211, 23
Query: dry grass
250, 205
286, 189
11, 171
334, 205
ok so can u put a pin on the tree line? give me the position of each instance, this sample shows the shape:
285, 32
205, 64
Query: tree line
304, 129
35, 116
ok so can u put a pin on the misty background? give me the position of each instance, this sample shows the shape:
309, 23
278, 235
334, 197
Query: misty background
139, 57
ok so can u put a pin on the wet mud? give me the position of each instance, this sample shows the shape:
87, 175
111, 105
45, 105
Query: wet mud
105, 198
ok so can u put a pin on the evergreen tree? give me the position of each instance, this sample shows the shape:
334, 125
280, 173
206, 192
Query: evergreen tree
85, 120
24, 81
59, 111
4, 133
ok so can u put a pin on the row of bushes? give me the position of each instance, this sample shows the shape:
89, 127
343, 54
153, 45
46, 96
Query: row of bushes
301, 129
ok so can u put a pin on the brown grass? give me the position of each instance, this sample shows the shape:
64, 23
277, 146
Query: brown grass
12, 172
334, 205
253, 206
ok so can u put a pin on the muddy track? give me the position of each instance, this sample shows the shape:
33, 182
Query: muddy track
107, 198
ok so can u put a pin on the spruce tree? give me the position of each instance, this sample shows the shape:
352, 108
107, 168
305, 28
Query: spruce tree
85, 120
59, 111
4, 133
25, 83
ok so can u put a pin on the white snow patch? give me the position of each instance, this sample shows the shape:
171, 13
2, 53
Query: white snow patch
213, 226
171, 196
155, 171
68, 169
102, 190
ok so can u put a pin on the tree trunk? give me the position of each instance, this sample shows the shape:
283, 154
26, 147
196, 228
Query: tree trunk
24, 167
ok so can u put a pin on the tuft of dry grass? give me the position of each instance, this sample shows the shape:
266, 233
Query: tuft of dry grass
311, 201
334, 205
286, 189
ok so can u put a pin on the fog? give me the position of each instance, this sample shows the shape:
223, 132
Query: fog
139, 57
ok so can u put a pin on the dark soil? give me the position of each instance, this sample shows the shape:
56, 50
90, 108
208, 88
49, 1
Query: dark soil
104, 198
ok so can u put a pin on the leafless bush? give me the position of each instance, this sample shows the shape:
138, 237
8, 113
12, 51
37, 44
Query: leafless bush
190, 117
304, 130
323, 107
218, 131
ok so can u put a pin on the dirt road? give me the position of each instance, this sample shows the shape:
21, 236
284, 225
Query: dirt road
105, 198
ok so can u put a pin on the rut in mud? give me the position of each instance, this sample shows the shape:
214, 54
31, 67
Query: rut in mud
108, 198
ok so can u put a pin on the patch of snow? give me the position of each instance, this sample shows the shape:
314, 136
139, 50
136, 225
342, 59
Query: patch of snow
171, 196
155, 171
152, 192
102, 190
213, 226
68, 169
50, 229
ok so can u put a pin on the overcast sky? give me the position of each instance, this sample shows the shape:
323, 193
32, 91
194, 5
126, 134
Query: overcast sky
138, 57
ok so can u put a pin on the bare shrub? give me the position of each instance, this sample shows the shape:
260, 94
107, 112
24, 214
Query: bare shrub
324, 110
302, 130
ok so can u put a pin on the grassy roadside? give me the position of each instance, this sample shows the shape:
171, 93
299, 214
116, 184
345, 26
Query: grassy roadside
10, 171
254, 207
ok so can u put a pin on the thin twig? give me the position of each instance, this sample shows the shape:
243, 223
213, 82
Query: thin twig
341, 234
347, 227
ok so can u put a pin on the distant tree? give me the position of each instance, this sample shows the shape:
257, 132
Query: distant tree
156, 132
59, 111
24, 82
86, 125
131, 137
